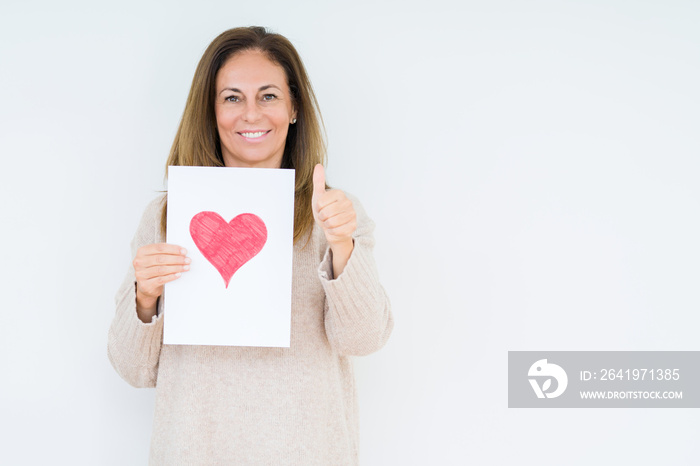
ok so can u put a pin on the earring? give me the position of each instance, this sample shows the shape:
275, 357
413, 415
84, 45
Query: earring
294, 120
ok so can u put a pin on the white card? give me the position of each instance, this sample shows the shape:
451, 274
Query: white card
237, 225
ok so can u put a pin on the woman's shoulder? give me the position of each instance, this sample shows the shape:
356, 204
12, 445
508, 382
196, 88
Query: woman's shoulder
155, 206
149, 227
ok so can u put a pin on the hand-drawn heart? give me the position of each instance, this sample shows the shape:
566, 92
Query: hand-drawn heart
228, 245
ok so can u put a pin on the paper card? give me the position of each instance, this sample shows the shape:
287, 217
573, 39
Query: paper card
237, 225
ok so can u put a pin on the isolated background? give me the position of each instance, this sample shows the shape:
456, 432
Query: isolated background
532, 168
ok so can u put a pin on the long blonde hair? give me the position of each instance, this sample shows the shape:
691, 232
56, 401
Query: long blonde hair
197, 140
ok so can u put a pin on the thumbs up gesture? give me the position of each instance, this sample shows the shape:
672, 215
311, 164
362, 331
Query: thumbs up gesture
334, 213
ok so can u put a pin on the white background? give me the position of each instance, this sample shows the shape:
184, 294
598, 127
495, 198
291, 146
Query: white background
532, 168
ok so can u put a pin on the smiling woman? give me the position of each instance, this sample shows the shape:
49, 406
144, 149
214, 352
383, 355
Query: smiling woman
253, 111
252, 105
199, 140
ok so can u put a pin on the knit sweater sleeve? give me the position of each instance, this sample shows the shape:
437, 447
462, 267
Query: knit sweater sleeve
133, 346
358, 316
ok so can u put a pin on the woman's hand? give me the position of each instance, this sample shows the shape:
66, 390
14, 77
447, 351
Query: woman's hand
334, 213
154, 266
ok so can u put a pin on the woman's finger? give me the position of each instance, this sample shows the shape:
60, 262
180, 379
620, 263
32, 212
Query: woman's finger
336, 216
160, 254
341, 233
163, 248
159, 271
144, 262
334, 208
339, 219
329, 197
154, 286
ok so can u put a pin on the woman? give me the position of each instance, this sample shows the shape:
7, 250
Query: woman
252, 105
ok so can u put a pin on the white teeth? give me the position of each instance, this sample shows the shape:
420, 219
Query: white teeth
257, 134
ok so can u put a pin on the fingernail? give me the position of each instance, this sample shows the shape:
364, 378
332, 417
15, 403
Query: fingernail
178, 274
183, 251
187, 260
187, 267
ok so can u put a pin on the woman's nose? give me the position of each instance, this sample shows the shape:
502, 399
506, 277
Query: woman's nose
251, 111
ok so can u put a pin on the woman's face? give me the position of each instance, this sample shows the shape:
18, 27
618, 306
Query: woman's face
253, 110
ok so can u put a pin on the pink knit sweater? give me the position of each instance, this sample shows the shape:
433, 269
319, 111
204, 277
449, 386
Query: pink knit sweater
224, 405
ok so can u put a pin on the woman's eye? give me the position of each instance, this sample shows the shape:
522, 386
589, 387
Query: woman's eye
269, 97
232, 98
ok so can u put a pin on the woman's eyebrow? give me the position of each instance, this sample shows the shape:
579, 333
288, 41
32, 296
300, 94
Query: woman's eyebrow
262, 88
232, 89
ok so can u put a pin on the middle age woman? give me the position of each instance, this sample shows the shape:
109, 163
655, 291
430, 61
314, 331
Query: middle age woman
252, 105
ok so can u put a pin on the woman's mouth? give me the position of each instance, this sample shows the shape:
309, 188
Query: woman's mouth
254, 134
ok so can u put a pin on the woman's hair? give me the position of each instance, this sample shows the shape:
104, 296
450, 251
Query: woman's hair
197, 140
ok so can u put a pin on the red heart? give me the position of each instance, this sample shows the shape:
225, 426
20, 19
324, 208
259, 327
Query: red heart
228, 245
